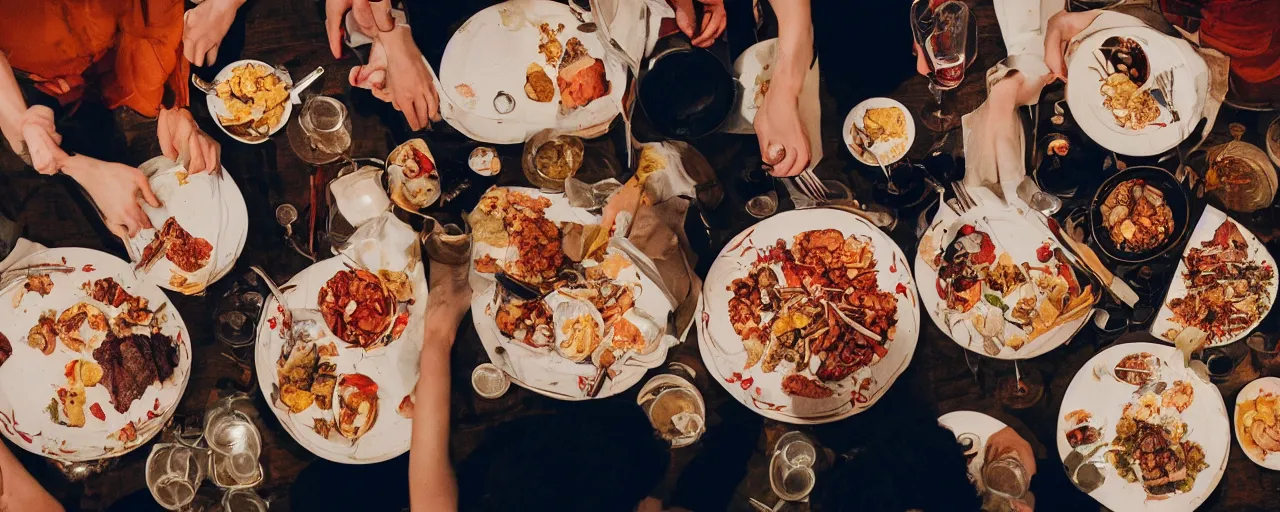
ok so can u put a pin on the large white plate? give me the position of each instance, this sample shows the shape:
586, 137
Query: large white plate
208, 206
1011, 232
1249, 392
491, 58
29, 379
1206, 420
980, 426
216, 107
722, 349
1191, 84
394, 368
547, 373
1209, 222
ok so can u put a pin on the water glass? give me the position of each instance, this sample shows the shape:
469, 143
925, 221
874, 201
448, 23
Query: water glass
789, 481
1037, 199
1006, 476
243, 500
1264, 353
674, 406
763, 205
327, 128
173, 475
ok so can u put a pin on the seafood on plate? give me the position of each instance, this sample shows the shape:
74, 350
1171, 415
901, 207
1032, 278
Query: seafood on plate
357, 307
188, 253
581, 77
1227, 290
1137, 369
1132, 107
1007, 302
512, 219
254, 95
412, 175
1084, 428
816, 298
1256, 425
1151, 447
356, 405
1137, 216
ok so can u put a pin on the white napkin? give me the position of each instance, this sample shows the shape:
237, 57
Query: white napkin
622, 21
21, 250
994, 141
548, 371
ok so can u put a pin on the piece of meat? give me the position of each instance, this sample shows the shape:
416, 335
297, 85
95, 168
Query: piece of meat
581, 83
799, 385
39, 283
6, 349
129, 367
164, 353
1267, 438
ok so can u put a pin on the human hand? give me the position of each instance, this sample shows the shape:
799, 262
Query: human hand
179, 135
713, 22
204, 27
784, 144
373, 75
373, 16
1007, 440
42, 139
413, 92
1061, 29
115, 189
449, 300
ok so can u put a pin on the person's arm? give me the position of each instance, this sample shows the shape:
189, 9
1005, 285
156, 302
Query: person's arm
795, 47
204, 28
19, 491
12, 105
784, 145
432, 486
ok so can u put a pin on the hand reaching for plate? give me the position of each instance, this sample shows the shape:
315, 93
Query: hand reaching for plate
784, 144
42, 139
1062, 28
115, 189
373, 16
413, 91
449, 298
713, 22
179, 135
373, 75
204, 27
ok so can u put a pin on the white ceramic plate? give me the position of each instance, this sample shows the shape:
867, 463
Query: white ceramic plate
544, 371
206, 206
1209, 222
722, 349
753, 66
979, 427
1012, 232
889, 151
1191, 83
1251, 391
491, 58
394, 368
216, 106
1106, 397
29, 379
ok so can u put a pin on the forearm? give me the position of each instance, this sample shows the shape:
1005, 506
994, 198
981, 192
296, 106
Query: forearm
12, 105
19, 491
431, 482
795, 45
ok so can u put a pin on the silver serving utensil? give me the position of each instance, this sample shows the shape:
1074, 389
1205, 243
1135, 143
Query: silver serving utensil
863, 141
296, 90
586, 27
518, 288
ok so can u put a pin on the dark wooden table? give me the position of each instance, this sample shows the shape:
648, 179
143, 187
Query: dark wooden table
290, 32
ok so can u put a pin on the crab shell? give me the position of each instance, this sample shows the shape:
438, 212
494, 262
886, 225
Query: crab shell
417, 193
569, 309
356, 402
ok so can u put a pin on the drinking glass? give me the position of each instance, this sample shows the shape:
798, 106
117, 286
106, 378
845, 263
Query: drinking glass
791, 472
449, 242
1020, 390
674, 406
1037, 199
325, 131
763, 205
943, 35
1264, 353
1006, 476
243, 500
173, 475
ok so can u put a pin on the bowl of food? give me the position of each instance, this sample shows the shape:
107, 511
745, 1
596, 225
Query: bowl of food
251, 100
551, 158
1138, 214
889, 127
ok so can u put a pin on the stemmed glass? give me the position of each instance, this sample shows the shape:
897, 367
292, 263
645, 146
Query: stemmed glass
1020, 390
943, 34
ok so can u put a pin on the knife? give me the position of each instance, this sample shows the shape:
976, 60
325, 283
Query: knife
1090, 259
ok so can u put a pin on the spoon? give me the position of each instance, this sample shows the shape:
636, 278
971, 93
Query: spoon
864, 141
301, 325
586, 27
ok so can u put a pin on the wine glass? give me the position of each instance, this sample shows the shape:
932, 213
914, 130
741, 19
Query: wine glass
943, 34
1020, 390
323, 132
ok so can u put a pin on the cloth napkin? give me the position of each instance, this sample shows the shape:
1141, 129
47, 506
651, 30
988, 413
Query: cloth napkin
994, 141
21, 250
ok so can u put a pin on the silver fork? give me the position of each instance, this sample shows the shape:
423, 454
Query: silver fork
1164, 86
812, 186
963, 200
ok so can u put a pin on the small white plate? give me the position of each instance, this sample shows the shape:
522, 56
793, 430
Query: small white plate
216, 106
888, 151
981, 426
1250, 392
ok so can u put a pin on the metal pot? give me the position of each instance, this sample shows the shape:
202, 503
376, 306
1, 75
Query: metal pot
686, 92
1174, 195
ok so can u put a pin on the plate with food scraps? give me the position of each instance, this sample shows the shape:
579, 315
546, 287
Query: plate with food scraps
519, 67
1157, 434
972, 430
997, 294
1113, 72
1224, 285
412, 175
347, 394
1257, 429
93, 362
560, 324
251, 100
199, 229
888, 123
754, 72
805, 324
